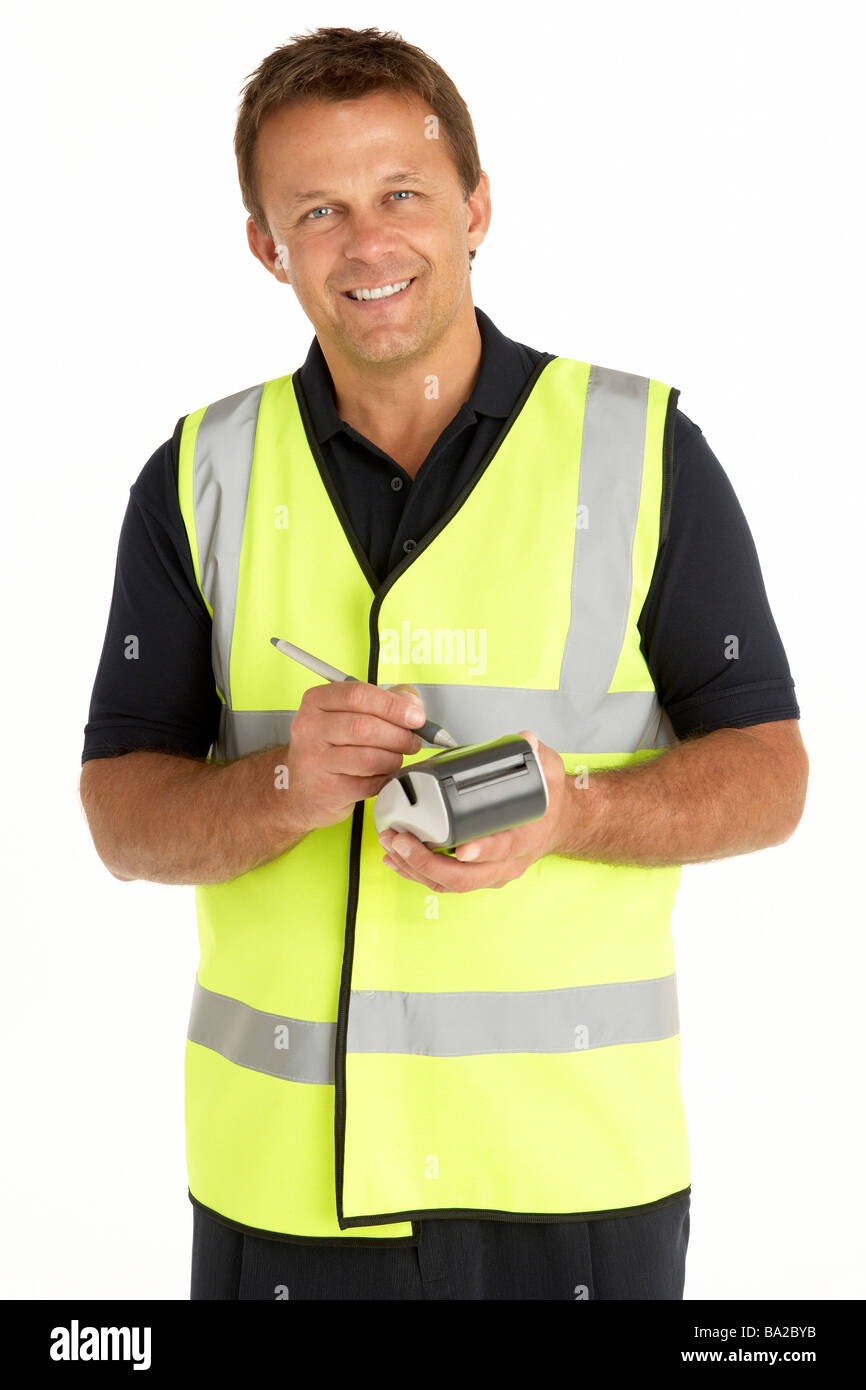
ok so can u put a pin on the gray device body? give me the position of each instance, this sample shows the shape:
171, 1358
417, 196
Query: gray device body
464, 793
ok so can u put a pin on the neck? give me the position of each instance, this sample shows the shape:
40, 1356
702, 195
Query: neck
403, 407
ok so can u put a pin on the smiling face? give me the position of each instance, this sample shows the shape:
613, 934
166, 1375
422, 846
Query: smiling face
359, 197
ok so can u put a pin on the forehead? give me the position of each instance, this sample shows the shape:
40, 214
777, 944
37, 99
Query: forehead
315, 145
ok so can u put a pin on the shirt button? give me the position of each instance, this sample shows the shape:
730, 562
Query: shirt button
409, 545
396, 484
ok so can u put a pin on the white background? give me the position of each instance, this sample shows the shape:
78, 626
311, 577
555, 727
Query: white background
675, 193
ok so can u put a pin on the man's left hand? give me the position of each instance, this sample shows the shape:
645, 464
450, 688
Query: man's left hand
493, 860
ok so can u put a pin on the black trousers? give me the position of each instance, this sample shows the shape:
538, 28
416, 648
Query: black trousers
630, 1257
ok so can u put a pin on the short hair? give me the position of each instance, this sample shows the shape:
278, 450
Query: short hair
338, 65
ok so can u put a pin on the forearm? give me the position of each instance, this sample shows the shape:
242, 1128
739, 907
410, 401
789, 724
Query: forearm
170, 819
707, 798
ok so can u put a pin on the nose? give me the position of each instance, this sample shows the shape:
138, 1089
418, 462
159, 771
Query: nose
367, 237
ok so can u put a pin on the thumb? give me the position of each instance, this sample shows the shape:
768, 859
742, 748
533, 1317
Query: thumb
408, 690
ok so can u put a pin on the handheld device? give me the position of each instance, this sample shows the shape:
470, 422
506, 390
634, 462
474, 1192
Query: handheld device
464, 793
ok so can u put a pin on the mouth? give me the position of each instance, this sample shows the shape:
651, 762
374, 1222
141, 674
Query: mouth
375, 297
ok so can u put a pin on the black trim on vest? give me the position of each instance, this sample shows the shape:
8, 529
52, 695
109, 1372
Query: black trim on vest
667, 467
520, 1218
340, 1242
175, 449
336, 501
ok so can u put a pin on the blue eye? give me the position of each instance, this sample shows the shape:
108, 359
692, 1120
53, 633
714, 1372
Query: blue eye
398, 193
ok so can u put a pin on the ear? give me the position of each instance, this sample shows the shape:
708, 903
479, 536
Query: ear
274, 258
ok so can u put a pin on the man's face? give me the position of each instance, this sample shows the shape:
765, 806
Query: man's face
327, 182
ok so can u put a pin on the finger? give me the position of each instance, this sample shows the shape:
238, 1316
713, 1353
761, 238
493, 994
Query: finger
403, 870
483, 876
440, 868
408, 690
415, 852
345, 730
489, 849
359, 697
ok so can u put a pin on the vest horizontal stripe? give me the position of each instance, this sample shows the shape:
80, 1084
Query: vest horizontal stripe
474, 714
465, 1024
541, 1020
293, 1049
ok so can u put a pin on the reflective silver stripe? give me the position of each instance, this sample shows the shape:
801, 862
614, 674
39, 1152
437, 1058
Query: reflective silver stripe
540, 1020
581, 714
293, 1049
465, 1024
222, 466
249, 730
611, 475
475, 714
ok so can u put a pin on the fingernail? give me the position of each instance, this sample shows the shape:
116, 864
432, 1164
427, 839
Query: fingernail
415, 715
469, 852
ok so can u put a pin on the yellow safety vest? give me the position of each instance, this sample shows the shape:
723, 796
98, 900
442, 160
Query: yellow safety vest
362, 1053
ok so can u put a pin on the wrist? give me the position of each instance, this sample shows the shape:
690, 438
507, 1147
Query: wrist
284, 815
580, 813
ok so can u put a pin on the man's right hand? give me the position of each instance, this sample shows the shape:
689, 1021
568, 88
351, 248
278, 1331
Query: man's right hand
348, 739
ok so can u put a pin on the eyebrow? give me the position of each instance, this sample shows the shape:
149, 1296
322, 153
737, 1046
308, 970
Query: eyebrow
399, 176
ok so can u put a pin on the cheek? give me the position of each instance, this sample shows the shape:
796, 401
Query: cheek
310, 265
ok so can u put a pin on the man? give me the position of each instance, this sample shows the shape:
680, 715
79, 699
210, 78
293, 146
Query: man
399, 1083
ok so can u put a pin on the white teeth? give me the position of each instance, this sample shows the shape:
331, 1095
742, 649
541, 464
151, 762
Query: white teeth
381, 293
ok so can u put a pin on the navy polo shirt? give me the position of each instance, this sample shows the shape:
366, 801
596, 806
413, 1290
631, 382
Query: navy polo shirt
706, 585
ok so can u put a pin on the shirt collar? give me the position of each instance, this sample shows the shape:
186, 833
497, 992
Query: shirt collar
500, 379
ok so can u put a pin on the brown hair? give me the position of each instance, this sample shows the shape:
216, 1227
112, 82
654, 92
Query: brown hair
337, 65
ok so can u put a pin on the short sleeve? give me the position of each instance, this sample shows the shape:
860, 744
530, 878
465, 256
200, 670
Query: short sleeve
707, 632
154, 685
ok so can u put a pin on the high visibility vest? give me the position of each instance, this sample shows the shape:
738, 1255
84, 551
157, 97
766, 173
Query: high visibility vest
363, 1053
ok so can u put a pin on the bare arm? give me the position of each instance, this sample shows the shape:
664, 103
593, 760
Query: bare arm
725, 793
171, 819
